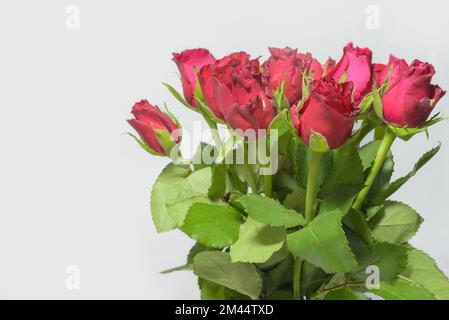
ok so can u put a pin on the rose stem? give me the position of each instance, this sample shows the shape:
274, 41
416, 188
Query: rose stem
268, 178
310, 199
382, 153
311, 184
297, 278
250, 176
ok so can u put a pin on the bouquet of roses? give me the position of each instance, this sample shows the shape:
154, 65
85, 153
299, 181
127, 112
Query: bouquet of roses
292, 200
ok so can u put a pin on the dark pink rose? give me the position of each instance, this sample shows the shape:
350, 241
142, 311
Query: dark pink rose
148, 120
233, 91
356, 62
285, 65
410, 97
187, 61
234, 78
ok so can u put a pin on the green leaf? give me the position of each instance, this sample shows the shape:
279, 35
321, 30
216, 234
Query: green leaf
312, 278
180, 268
269, 211
164, 191
407, 133
239, 184
178, 96
401, 290
343, 171
391, 259
368, 153
281, 295
204, 156
323, 243
197, 248
216, 266
422, 269
395, 223
280, 122
276, 258
257, 242
341, 199
218, 187
212, 225
189, 190
280, 100
280, 275
211, 291
345, 294
318, 142
394, 186
296, 200
365, 105
301, 157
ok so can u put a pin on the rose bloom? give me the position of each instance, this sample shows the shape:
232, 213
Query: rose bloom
187, 61
410, 97
356, 63
328, 110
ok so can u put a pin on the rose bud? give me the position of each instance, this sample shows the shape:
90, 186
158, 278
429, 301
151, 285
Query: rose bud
356, 63
217, 80
410, 98
159, 132
328, 111
285, 65
187, 61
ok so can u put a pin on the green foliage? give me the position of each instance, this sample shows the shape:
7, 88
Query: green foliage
248, 246
368, 152
269, 211
391, 259
402, 290
212, 225
395, 223
422, 270
257, 242
323, 243
165, 191
343, 172
178, 96
187, 191
216, 266
218, 185
211, 291
345, 294
278, 276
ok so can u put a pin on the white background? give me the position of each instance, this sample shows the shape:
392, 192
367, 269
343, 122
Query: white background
75, 191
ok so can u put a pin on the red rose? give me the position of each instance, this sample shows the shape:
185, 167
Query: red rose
187, 61
285, 65
410, 98
356, 62
233, 91
328, 111
253, 109
221, 73
150, 123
